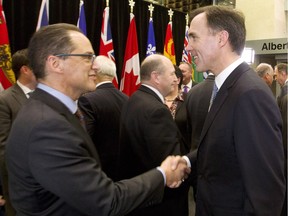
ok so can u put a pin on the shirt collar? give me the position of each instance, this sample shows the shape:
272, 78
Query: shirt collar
67, 101
156, 91
222, 76
24, 88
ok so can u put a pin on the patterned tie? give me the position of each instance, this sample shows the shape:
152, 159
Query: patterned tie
185, 89
80, 116
213, 96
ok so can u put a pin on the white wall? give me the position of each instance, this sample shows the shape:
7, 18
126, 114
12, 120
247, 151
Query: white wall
265, 19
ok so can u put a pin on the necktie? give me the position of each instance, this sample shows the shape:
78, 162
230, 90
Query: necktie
213, 96
80, 116
185, 89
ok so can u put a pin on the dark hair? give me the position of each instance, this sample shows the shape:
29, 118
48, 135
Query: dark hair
282, 67
19, 59
224, 18
49, 40
178, 74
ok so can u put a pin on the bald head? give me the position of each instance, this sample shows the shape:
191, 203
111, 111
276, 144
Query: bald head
265, 71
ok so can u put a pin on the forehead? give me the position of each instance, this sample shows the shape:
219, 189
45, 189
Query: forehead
81, 42
198, 23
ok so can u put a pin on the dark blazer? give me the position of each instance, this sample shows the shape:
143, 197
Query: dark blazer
11, 101
240, 153
181, 122
197, 104
54, 167
148, 134
102, 110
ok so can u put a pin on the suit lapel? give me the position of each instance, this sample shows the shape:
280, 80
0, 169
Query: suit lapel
18, 94
222, 96
59, 107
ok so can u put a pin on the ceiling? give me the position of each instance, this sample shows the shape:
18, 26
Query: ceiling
189, 5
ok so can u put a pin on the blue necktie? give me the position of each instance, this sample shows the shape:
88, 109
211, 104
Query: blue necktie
213, 96
185, 88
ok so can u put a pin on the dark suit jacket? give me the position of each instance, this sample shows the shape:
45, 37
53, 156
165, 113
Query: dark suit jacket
148, 135
197, 104
240, 154
11, 101
102, 110
54, 167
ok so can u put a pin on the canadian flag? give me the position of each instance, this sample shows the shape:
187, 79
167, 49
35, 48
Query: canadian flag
130, 78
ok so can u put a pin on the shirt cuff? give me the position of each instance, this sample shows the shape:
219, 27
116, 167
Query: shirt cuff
187, 160
163, 173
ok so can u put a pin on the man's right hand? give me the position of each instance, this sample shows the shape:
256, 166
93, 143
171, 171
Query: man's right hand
176, 170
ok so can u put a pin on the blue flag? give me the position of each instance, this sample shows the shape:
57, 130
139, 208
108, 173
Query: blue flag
43, 19
82, 19
151, 45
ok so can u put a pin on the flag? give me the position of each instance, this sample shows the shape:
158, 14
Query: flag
81, 23
130, 78
43, 18
106, 43
169, 50
186, 56
151, 45
7, 77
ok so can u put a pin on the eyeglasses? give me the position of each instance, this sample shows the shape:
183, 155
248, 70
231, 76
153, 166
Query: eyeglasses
90, 57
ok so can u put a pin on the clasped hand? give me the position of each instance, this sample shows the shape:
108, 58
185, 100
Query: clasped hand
176, 170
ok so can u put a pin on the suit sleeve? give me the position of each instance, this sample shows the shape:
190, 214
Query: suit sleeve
5, 123
89, 114
61, 164
161, 135
258, 143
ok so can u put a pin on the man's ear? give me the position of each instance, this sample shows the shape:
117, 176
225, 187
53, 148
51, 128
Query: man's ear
155, 77
55, 63
223, 37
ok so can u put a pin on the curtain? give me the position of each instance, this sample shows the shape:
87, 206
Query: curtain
22, 16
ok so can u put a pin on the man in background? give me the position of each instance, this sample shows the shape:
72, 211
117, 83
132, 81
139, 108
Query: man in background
102, 111
188, 81
148, 133
11, 101
265, 72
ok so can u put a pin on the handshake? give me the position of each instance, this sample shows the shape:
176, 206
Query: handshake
176, 170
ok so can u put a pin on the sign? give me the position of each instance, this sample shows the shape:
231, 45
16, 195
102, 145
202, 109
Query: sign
269, 46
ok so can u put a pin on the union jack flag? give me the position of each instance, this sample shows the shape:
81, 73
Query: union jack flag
106, 42
186, 56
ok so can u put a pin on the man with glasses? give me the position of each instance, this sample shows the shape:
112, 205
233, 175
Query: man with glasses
53, 166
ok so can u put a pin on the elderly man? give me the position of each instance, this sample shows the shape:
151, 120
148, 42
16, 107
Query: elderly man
265, 72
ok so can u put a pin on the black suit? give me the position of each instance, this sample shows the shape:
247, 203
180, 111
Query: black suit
148, 135
240, 154
102, 110
54, 167
11, 101
197, 104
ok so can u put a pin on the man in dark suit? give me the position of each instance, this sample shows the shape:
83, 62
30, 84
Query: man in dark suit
148, 132
187, 82
240, 155
11, 101
282, 79
53, 165
197, 105
102, 110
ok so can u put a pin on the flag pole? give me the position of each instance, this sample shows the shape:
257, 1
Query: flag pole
151, 9
131, 4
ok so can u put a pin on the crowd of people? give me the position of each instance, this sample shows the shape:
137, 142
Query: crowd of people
79, 146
